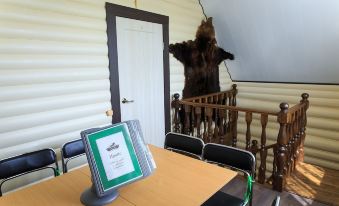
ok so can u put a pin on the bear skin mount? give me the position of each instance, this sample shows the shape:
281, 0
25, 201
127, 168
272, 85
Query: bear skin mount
201, 59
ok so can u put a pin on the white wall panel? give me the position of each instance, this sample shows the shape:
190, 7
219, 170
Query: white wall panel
44, 131
36, 16
11, 77
15, 29
24, 46
27, 121
28, 106
21, 61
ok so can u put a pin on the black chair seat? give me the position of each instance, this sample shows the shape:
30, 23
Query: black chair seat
223, 199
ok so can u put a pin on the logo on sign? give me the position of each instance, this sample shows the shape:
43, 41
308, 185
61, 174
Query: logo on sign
113, 146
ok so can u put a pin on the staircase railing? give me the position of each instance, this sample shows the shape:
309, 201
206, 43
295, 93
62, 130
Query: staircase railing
214, 117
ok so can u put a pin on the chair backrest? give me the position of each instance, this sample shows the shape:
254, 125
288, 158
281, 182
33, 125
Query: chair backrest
184, 144
71, 150
19, 165
230, 156
235, 158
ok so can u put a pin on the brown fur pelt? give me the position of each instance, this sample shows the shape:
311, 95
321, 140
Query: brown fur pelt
201, 59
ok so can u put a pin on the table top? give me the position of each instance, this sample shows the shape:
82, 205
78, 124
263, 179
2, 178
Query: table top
178, 180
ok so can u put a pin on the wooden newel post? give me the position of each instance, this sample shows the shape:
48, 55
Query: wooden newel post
304, 100
281, 154
176, 106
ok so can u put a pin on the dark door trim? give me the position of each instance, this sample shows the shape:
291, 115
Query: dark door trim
112, 11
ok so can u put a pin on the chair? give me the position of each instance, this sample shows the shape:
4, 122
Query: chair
276, 201
19, 165
71, 150
234, 158
184, 144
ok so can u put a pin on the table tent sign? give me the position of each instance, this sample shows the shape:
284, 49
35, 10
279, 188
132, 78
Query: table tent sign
117, 155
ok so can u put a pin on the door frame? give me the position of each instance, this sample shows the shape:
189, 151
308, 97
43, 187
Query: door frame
113, 11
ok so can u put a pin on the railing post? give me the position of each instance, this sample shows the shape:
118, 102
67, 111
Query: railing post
176, 106
281, 156
305, 97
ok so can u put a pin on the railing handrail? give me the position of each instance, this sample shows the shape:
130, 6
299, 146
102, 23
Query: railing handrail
296, 107
233, 108
232, 91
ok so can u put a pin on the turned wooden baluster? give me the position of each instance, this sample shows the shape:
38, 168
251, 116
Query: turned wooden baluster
192, 121
209, 113
303, 126
274, 172
248, 119
228, 125
294, 141
297, 140
234, 92
225, 122
222, 114
187, 119
263, 151
290, 136
176, 106
216, 125
281, 155
198, 115
234, 128
254, 150
233, 124
221, 99
205, 124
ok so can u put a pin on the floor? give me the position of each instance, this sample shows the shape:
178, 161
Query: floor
315, 182
264, 196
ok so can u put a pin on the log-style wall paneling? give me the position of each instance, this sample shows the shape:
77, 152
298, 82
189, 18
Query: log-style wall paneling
322, 139
54, 68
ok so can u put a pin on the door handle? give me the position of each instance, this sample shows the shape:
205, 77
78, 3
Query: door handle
124, 101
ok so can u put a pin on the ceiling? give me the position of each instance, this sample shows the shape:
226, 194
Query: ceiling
279, 41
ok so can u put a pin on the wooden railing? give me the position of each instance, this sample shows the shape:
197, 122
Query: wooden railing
214, 117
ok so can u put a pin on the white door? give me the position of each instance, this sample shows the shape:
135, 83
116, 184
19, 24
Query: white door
141, 81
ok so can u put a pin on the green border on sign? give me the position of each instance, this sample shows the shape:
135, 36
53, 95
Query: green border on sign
109, 184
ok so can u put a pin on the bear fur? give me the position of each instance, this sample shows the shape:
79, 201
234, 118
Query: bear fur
201, 59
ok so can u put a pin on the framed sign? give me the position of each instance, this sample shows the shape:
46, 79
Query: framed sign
117, 155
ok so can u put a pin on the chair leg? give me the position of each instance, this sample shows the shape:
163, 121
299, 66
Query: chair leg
1, 188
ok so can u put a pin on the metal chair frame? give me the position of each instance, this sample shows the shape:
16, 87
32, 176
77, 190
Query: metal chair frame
55, 169
276, 201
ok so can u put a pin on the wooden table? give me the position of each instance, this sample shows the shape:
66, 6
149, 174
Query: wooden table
178, 180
